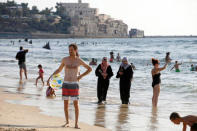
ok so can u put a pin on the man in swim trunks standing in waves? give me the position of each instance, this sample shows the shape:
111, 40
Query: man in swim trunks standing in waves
70, 87
20, 56
176, 66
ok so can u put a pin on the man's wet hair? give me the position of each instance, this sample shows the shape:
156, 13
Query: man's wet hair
174, 116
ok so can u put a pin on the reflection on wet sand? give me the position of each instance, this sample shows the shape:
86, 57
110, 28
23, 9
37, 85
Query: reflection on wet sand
21, 86
122, 120
153, 120
100, 116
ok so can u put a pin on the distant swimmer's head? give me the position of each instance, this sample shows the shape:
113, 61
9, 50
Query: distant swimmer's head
73, 50
21, 48
194, 127
192, 65
175, 118
155, 62
176, 62
168, 53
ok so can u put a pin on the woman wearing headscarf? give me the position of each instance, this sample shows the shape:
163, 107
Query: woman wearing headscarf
104, 73
125, 73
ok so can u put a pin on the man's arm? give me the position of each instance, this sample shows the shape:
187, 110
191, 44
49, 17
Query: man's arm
57, 71
184, 127
89, 69
172, 68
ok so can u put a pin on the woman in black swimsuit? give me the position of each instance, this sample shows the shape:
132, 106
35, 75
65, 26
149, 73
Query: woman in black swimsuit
156, 80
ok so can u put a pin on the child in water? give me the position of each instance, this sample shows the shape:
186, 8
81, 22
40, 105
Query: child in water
41, 73
189, 120
176, 66
192, 68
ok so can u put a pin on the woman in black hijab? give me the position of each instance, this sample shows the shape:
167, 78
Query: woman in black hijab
125, 73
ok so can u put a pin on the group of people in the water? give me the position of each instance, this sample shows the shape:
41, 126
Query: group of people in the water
70, 87
111, 60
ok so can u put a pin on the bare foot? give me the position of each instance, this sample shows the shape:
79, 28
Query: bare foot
77, 127
65, 125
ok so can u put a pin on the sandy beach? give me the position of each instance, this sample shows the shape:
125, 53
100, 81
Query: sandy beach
15, 117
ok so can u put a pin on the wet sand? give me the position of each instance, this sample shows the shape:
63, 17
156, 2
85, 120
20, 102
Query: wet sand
15, 117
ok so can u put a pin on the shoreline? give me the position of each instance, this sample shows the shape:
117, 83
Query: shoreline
22, 117
44, 35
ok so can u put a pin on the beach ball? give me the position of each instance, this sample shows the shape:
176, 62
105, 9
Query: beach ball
56, 81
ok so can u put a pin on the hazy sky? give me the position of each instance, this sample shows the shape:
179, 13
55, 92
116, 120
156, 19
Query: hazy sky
155, 17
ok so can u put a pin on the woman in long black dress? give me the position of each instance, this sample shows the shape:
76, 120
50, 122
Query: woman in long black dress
104, 73
125, 73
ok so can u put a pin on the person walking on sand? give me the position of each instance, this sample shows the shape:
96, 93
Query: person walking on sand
21, 56
189, 120
70, 87
125, 73
176, 66
156, 80
104, 73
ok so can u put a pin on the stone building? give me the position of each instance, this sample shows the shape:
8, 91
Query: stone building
135, 33
86, 22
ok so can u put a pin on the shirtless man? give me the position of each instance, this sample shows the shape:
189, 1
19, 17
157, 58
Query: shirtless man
176, 66
70, 87
187, 120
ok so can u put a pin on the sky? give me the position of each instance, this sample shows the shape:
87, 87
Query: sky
155, 17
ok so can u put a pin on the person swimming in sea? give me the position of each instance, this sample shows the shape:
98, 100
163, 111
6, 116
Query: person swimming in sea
111, 56
93, 62
118, 58
176, 66
192, 67
168, 59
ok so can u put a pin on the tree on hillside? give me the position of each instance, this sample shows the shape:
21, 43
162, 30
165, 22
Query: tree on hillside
26, 10
34, 10
46, 11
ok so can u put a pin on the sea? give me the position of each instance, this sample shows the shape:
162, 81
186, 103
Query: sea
178, 89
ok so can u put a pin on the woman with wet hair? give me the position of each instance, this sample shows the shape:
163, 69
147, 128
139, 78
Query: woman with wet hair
156, 80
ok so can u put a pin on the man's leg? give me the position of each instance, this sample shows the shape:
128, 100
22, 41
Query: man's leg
25, 71
66, 104
76, 113
21, 75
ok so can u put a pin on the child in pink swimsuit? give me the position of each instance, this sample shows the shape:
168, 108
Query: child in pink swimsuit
41, 73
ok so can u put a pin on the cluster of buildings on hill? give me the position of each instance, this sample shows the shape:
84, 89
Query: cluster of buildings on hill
87, 22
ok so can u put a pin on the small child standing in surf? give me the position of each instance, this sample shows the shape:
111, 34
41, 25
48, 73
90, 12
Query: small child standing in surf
41, 74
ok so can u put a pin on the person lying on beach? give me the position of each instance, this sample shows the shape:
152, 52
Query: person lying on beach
176, 66
41, 72
189, 120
